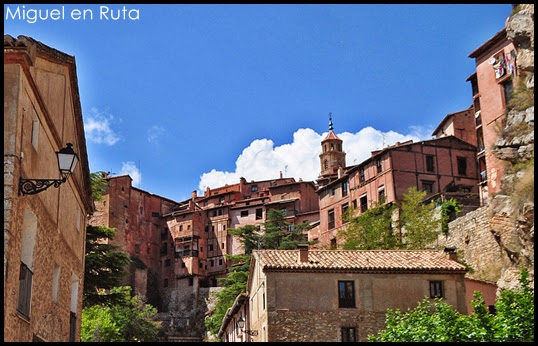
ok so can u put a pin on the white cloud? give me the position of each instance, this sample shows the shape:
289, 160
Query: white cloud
154, 133
97, 128
300, 159
130, 168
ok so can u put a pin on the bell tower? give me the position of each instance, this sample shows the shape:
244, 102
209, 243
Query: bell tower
332, 156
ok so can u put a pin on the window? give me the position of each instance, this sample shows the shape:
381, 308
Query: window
333, 243
180, 228
55, 282
155, 214
165, 283
499, 65
462, 165
259, 214
164, 249
326, 164
507, 88
344, 188
354, 204
254, 188
349, 334
167, 262
345, 206
436, 289
429, 163
211, 263
361, 175
221, 200
364, 204
378, 165
332, 191
331, 218
346, 294
427, 185
191, 281
35, 133
25, 290
220, 261
210, 247
244, 213
381, 193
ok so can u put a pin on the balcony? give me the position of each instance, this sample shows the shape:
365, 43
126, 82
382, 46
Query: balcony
186, 253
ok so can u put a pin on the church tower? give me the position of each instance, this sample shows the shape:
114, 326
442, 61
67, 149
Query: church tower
332, 157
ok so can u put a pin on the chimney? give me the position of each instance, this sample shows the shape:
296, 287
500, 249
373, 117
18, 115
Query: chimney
452, 255
280, 174
303, 253
194, 194
340, 172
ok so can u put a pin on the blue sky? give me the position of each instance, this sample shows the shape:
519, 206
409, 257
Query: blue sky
182, 96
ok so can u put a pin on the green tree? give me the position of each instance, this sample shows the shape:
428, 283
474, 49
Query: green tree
514, 320
434, 321
105, 266
371, 230
449, 211
132, 320
419, 220
99, 184
281, 234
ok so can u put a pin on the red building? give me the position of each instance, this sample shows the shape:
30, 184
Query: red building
491, 87
182, 245
443, 167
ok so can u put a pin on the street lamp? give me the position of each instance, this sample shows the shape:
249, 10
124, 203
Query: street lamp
67, 160
241, 325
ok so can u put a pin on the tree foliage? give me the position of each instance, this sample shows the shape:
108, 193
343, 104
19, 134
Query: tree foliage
419, 220
436, 321
105, 266
276, 233
417, 226
99, 184
132, 320
371, 230
449, 211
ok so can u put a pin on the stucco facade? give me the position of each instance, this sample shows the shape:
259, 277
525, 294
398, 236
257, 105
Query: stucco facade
44, 233
334, 295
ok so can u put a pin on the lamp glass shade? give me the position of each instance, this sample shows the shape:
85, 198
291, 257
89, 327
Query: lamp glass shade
67, 159
241, 323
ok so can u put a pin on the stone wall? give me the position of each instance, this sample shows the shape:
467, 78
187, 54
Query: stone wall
471, 235
322, 326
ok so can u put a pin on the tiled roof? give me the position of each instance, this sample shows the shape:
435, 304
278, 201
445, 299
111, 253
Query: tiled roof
331, 135
358, 260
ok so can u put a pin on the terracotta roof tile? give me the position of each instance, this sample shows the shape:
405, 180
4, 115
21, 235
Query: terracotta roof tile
331, 135
368, 260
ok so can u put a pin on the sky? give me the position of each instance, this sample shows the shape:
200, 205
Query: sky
187, 96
